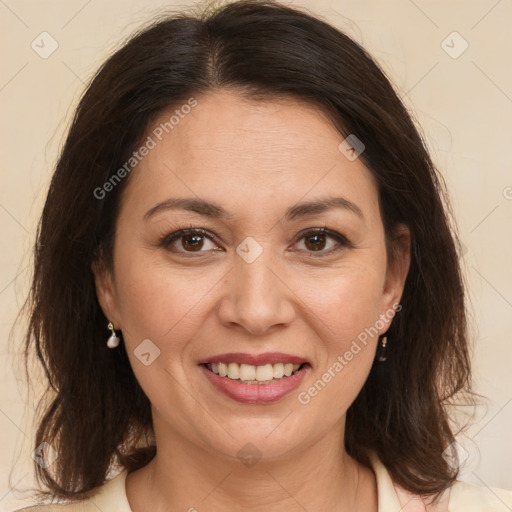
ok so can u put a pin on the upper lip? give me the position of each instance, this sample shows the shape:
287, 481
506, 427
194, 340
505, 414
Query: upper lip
255, 359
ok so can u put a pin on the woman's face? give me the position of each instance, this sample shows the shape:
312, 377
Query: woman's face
261, 286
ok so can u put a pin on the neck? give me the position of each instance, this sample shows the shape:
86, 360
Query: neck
184, 476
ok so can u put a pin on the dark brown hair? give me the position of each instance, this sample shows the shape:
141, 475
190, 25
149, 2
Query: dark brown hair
96, 414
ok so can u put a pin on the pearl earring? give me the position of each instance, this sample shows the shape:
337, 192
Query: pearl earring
113, 341
382, 356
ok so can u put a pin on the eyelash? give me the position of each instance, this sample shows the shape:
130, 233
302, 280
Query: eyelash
338, 237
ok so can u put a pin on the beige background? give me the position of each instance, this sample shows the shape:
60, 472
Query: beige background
463, 104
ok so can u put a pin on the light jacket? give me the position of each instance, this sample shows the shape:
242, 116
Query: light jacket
460, 497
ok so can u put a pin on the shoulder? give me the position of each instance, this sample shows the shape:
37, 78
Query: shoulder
109, 497
464, 497
460, 497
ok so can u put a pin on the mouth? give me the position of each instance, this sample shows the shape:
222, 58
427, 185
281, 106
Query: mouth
255, 379
254, 375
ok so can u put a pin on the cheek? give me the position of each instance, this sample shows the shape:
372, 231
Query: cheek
348, 308
159, 303
166, 307
347, 301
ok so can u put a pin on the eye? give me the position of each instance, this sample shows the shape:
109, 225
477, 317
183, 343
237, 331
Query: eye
317, 240
189, 240
196, 240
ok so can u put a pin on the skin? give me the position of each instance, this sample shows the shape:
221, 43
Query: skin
255, 159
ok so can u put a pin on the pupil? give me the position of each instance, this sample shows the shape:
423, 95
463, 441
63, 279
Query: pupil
196, 244
316, 246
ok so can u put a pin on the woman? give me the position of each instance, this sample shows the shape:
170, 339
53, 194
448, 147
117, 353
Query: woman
247, 294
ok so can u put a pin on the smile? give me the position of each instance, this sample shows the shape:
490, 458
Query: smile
250, 374
255, 379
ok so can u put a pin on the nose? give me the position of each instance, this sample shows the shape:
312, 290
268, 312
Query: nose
257, 297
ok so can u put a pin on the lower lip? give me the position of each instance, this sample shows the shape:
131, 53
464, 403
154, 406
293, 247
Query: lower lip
255, 393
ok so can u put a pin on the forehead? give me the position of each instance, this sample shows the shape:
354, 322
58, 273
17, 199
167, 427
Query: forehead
246, 153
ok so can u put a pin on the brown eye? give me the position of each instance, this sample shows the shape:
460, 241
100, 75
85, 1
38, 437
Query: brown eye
192, 242
189, 241
315, 242
323, 242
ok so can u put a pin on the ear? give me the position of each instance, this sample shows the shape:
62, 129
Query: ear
396, 274
105, 291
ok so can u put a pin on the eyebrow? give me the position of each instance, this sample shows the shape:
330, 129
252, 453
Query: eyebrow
215, 211
196, 205
320, 206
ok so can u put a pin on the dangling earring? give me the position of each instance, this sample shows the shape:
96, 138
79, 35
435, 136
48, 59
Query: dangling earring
382, 356
113, 341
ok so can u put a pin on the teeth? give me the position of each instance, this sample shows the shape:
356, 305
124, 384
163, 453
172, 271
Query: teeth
233, 371
254, 374
278, 370
265, 372
247, 372
223, 370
